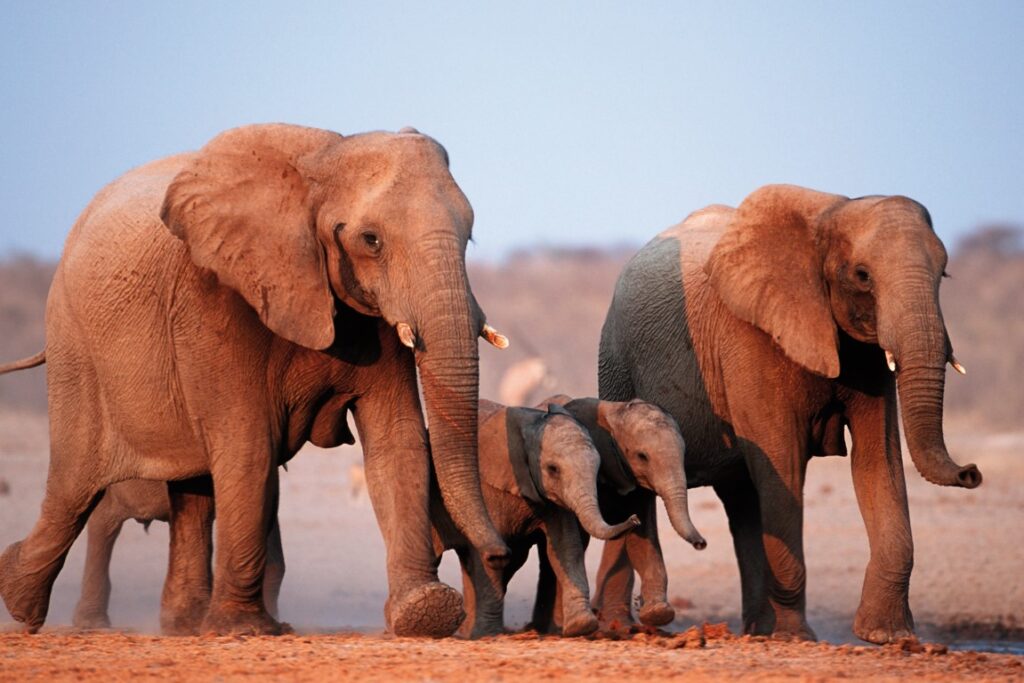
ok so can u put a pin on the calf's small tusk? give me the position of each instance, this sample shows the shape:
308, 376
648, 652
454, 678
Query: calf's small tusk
406, 334
494, 337
956, 365
890, 360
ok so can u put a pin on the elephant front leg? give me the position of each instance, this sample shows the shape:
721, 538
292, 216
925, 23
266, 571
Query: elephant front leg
397, 468
274, 574
884, 612
777, 464
102, 531
547, 604
645, 555
565, 555
186, 594
613, 595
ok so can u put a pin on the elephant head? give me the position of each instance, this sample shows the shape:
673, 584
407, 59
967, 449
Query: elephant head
802, 265
649, 442
300, 221
558, 462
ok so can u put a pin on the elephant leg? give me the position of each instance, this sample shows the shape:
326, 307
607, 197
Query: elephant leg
877, 466
741, 505
565, 555
29, 567
613, 594
245, 491
397, 469
186, 594
274, 574
644, 550
102, 531
777, 461
484, 595
547, 605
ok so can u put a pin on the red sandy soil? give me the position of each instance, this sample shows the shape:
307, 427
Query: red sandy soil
59, 656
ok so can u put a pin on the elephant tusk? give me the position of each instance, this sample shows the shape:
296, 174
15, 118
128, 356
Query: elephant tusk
406, 334
956, 365
890, 360
494, 337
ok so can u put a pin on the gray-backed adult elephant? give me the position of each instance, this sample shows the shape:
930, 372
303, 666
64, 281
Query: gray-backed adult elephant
766, 329
214, 310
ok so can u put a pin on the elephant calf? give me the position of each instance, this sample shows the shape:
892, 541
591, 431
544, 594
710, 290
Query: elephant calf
145, 501
538, 471
642, 456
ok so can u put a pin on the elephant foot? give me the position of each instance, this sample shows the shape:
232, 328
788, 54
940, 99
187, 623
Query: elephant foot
183, 617
582, 624
225, 619
615, 620
90, 619
26, 603
657, 614
793, 627
433, 610
884, 626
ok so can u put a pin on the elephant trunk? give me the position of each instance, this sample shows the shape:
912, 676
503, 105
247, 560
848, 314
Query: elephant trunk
448, 360
679, 516
921, 388
919, 346
586, 510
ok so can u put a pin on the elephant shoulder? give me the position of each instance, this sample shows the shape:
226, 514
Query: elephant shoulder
698, 234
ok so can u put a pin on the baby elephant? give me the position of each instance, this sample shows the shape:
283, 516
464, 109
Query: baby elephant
642, 455
146, 501
538, 471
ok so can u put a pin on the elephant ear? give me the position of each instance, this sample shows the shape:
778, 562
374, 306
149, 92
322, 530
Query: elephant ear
523, 427
242, 206
767, 270
614, 468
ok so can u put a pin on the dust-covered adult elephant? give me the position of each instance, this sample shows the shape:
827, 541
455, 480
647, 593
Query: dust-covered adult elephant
765, 330
214, 310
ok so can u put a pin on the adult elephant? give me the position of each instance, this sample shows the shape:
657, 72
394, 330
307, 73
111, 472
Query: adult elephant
765, 330
214, 310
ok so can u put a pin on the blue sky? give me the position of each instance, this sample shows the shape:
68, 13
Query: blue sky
566, 123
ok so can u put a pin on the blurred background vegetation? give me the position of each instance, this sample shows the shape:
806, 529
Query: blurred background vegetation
552, 302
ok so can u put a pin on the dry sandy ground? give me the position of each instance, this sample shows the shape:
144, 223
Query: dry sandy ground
355, 657
965, 591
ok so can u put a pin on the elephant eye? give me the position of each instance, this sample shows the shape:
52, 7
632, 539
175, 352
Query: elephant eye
552, 470
862, 274
642, 456
371, 240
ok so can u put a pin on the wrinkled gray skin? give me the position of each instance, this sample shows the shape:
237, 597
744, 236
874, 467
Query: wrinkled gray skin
146, 502
214, 310
763, 331
538, 469
642, 456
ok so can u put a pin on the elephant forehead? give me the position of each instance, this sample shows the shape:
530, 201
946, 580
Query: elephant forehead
563, 434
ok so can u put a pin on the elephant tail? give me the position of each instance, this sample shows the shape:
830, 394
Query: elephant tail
24, 363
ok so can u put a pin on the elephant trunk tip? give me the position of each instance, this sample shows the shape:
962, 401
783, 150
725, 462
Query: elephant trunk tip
969, 477
697, 541
607, 532
496, 556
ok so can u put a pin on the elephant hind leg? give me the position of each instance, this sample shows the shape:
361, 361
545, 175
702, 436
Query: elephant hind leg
102, 531
80, 451
29, 567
